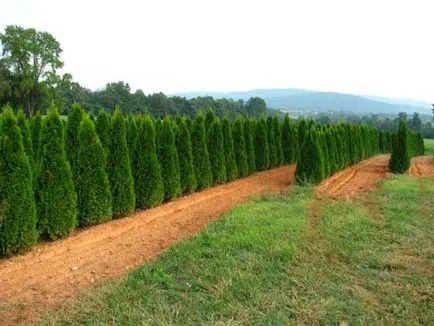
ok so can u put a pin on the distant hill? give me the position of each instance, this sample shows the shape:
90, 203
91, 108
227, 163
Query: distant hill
314, 101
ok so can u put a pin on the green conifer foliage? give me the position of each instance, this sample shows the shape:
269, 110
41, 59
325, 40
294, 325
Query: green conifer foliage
272, 143
71, 136
169, 163
295, 143
185, 156
240, 147
216, 152
278, 140
148, 182
102, 125
35, 130
202, 165
94, 200
302, 132
209, 118
131, 127
17, 202
23, 124
400, 159
56, 199
287, 141
310, 167
262, 151
250, 145
119, 168
228, 143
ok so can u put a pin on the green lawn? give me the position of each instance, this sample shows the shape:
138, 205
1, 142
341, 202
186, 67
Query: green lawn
429, 146
286, 260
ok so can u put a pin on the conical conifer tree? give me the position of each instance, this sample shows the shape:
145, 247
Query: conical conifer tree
272, 143
55, 196
278, 141
119, 168
250, 145
148, 182
131, 128
102, 125
216, 152
71, 136
202, 165
185, 156
287, 141
400, 159
17, 202
35, 130
209, 118
240, 147
168, 157
94, 200
262, 151
228, 143
310, 166
23, 124
302, 132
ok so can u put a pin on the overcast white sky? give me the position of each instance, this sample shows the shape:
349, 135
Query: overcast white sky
376, 47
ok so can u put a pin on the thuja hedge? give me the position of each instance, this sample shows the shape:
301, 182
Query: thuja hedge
89, 169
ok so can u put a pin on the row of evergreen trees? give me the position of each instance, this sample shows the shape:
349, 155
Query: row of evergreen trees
405, 145
327, 149
57, 175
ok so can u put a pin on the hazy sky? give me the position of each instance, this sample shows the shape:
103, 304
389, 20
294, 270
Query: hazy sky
376, 47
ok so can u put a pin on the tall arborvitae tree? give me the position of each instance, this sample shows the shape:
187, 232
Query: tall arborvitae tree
216, 152
272, 143
228, 144
119, 168
17, 202
102, 125
168, 157
35, 130
55, 195
262, 152
185, 156
202, 165
23, 124
287, 141
250, 145
302, 132
240, 147
400, 159
310, 166
325, 151
71, 136
209, 118
278, 140
94, 200
131, 128
148, 182
332, 150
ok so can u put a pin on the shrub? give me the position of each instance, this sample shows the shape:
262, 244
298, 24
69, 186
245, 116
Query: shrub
240, 147
55, 195
168, 157
119, 168
202, 165
262, 152
23, 124
185, 156
216, 152
228, 143
400, 159
94, 200
17, 202
310, 167
148, 182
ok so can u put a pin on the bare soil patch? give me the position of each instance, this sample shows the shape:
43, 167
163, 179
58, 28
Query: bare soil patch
422, 166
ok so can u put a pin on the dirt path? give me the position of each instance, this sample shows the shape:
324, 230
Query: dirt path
53, 272
356, 178
422, 166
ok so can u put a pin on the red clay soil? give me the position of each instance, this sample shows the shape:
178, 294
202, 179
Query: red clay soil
422, 166
356, 179
53, 272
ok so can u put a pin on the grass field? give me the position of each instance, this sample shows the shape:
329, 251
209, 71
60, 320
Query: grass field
286, 260
429, 146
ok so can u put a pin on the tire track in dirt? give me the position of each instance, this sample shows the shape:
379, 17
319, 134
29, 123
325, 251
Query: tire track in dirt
56, 271
356, 179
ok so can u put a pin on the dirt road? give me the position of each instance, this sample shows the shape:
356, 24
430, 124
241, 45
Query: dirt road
422, 166
55, 271
356, 178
